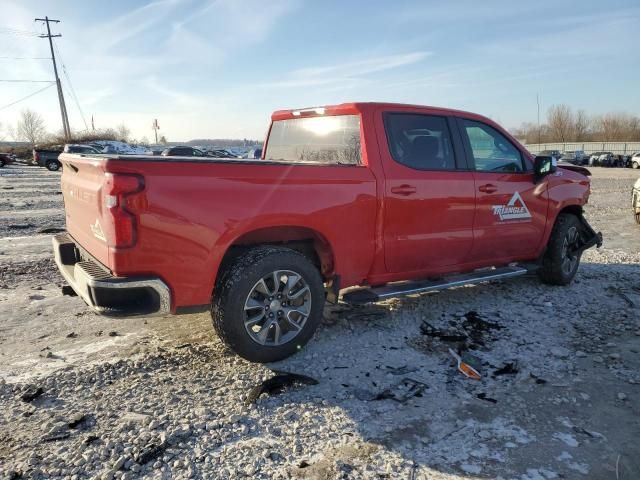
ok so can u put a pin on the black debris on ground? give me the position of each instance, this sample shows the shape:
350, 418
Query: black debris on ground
483, 396
510, 368
278, 384
402, 391
31, 393
67, 290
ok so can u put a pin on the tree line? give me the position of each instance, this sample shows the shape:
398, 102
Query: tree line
31, 128
563, 124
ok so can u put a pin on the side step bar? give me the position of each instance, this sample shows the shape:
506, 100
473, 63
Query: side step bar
376, 294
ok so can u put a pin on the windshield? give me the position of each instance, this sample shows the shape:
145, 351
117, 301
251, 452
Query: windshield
330, 139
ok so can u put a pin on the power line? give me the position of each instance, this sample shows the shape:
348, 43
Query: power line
13, 80
26, 58
15, 31
28, 96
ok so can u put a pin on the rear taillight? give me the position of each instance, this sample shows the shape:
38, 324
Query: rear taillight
36, 157
120, 197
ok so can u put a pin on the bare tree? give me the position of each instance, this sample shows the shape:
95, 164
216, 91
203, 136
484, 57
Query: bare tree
163, 140
560, 121
123, 132
144, 141
30, 127
581, 124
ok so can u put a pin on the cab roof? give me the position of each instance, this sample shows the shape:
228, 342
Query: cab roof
360, 107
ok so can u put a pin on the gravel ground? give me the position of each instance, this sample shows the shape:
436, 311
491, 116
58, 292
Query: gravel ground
82, 396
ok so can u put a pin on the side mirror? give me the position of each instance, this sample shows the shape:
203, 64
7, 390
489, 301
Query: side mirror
543, 166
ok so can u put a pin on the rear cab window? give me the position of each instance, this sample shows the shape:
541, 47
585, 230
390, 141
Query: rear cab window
420, 141
331, 139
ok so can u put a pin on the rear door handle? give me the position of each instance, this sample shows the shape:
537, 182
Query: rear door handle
488, 188
404, 190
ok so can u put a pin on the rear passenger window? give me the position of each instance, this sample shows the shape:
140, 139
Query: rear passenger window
422, 142
491, 150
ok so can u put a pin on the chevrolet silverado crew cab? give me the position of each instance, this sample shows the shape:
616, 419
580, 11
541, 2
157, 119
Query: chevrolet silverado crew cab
389, 199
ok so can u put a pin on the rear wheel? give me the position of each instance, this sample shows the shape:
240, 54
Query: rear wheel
53, 165
268, 303
1, 163
561, 260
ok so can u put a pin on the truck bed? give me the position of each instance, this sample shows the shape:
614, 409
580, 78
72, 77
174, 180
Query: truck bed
190, 210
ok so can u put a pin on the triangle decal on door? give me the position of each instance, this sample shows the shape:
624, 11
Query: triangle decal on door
515, 209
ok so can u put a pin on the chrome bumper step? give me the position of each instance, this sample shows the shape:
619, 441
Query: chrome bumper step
107, 294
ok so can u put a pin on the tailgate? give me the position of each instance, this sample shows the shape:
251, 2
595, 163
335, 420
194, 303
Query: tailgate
82, 183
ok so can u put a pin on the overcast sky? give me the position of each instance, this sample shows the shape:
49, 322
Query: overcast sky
211, 69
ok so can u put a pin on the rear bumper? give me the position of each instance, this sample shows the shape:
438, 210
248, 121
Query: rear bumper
106, 294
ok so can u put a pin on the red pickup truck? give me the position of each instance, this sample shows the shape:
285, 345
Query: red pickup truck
395, 199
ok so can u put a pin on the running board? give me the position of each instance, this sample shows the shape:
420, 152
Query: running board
376, 294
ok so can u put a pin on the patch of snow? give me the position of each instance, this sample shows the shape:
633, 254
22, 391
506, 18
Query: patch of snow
583, 468
471, 468
567, 438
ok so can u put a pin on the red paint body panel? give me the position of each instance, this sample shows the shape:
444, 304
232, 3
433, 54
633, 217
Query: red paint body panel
190, 212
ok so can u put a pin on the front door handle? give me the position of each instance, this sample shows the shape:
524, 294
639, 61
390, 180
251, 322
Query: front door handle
488, 188
404, 190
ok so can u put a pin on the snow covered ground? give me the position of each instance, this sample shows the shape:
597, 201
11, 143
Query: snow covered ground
162, 398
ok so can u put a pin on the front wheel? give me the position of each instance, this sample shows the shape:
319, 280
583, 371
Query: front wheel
562, 258
635, 165
53, 165
268, 303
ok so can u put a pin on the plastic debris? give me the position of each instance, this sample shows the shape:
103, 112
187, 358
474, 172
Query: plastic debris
445, 335
402, 391
464, 368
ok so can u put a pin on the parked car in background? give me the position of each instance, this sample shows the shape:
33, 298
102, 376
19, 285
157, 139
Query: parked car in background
603, 159
48, 157
635, 201
73, 148
577, 157
183, 151
6, 159
254, 153
551, 153
635, 160
220, 153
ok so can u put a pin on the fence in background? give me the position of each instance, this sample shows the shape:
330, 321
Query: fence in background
617, 148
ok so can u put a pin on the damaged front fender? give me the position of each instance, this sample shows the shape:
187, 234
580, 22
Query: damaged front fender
588, 236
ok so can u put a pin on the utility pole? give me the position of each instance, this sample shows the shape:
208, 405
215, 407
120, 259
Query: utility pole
155, 127
63, 107
538, 102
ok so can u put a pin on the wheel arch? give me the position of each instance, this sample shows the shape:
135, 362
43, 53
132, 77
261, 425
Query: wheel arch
308, 241
572, 208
